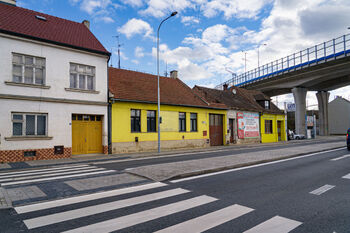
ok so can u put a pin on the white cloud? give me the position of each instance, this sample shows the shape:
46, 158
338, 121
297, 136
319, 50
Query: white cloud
136, 26
139, 52
100, 10
188, 20
135, 61
106, 19
161, 8
133, 3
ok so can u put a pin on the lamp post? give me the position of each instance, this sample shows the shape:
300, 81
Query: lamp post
259, 53
158, 111
245, 60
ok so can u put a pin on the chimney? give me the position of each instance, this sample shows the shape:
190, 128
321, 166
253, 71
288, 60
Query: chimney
173, 74
10, 2
225, 87
86, 23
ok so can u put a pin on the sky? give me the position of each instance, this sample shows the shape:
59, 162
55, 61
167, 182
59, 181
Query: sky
205, 40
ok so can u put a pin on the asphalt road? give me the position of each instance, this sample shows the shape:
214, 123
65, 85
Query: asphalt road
307, 194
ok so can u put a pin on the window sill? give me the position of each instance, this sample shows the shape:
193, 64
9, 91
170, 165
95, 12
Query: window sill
24, 138
26, 85
81, 90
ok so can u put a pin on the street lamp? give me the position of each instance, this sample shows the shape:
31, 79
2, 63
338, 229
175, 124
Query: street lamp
172, 14
259, 53
245, 60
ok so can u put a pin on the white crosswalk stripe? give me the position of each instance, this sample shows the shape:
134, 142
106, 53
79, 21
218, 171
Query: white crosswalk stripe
276, 224
49, 174
66, 215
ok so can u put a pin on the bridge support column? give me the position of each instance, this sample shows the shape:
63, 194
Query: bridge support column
322, 98
299, 94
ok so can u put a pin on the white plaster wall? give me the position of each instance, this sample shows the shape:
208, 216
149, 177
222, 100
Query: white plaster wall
57, 69
59, 122
339, 116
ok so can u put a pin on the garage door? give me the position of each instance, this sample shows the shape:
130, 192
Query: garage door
215, 129
86, 134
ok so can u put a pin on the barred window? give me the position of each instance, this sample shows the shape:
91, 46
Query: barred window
135, 120
28, 69
82, 77
151, 121
29, 124
268, 126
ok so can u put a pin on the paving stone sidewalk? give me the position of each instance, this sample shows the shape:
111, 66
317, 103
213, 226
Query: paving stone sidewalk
166, 171
5, 202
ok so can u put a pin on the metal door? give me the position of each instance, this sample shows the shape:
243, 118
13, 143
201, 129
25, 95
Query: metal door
216, 129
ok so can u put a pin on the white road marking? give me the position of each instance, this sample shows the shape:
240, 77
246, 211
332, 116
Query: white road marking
97, 209
208, 221
48, 172
322, 189
57, 173
56, 178
276, 224
143, 216
346, 176
44, 169
84, 198
341, 157
252, 166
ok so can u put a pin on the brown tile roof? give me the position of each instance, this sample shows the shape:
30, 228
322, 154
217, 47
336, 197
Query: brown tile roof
233, 101
135, 86
24, 23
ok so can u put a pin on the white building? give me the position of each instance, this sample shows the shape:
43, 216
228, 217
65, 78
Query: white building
53, 87
339, 116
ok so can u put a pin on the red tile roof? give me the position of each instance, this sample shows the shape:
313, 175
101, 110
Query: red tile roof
127, 85
24, 23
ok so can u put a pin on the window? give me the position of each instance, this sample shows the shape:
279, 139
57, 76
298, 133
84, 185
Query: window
135, 120
28, 69
193, 122
268, 126
29, 124
267, 104
182, 121
151, 121
82, 77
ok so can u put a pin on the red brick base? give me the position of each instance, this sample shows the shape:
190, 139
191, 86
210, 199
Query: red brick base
7, 156
105, 150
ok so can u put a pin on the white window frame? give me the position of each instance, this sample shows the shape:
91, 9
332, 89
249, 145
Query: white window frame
34, 66
84, 73
24, 121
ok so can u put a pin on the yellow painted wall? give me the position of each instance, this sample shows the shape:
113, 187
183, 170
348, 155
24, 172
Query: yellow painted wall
265, 138
121, 122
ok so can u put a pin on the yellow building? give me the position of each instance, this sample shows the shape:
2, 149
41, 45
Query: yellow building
273, 128
187, 121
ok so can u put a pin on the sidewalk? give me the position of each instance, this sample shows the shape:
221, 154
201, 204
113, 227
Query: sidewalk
166, 171
131, 156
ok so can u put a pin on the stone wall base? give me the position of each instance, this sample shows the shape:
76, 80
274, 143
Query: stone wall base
8, 156
128, 147
248, 141
105, 150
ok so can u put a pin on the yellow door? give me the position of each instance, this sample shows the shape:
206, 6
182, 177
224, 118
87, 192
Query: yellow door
86, 134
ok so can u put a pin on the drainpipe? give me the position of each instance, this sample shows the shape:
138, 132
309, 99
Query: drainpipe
109, 113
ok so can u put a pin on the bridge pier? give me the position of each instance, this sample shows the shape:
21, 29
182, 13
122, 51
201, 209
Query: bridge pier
322, 98
299, 94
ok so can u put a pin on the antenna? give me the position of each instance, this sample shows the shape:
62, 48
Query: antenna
118, 50
166, 69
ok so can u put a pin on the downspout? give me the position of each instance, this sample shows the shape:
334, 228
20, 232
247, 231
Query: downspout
109, 113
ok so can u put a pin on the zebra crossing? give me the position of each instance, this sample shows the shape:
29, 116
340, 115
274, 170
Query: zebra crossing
134, 206
50, 174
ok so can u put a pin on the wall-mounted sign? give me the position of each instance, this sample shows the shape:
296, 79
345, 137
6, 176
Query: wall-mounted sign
248, 125
290, 107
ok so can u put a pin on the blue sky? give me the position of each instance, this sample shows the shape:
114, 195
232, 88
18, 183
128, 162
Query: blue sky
206, 37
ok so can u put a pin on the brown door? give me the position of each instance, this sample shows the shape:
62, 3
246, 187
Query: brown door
215, 129
232, 130
279, 125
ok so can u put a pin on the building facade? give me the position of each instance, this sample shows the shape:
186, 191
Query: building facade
339, 116
53, 87
187, 121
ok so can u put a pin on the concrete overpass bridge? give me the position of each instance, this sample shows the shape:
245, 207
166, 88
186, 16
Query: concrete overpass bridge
322, 68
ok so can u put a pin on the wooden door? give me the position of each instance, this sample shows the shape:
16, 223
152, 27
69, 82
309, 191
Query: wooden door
216, 129
279, 126
232, 130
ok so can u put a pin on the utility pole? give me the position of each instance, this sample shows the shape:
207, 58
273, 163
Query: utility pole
245, 61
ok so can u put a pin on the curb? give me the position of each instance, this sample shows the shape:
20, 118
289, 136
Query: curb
5, 201
202, 172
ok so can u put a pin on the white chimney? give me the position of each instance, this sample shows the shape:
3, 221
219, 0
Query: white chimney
10, 2
173, 74
86, 23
